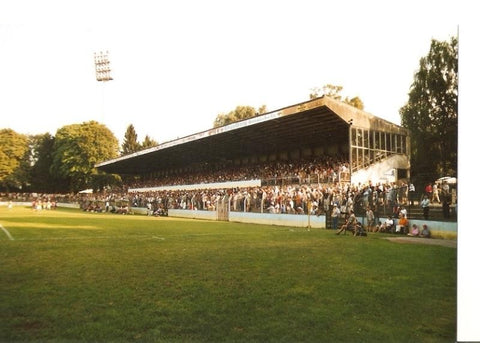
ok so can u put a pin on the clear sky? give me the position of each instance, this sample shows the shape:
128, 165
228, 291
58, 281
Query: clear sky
178, 64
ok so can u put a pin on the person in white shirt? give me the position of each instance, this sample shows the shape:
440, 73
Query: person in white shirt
335, 216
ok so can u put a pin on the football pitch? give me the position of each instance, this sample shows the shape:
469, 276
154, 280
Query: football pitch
68, 275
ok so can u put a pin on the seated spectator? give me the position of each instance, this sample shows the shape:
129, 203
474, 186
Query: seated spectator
425, 232
402, 226
349, 225
389, 224
359, 230
381, 227
415, 231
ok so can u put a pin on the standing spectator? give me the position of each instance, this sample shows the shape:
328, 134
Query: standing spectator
445, 187
429, 191
335, 216
446, 205
370, 219
411, 194
425, 204
402, 193
435, 196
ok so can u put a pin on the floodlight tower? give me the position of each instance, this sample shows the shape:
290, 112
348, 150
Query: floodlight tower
102, 66
103, 72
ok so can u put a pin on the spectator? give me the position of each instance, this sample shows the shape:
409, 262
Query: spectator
425, 204
335, 216
445, 187
381, 227
435, 196
411, 194
402, 226
446, 200
370, 220
415, 231
429, 191
425, 232
389, 224
446, 206
402, 193
349, 224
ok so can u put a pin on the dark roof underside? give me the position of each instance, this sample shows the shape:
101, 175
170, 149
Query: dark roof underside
312, 128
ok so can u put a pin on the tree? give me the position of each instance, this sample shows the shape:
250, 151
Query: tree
239, 113
333, 92
13, 158
355, 102
262, 109
431, 113
77, 149
148, 142
40, 177
130, 142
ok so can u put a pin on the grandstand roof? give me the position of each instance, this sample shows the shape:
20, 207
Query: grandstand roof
317, 122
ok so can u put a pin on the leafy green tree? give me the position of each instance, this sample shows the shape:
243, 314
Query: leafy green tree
13, 159
431, 113
333, 92
77, 149
239, 113
130, 141
41, 179
148, 142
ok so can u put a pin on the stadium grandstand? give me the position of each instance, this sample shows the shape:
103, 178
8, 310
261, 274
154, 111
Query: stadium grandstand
300, 159
371, 149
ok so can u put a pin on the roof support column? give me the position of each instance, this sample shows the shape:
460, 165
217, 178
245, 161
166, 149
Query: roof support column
350, 122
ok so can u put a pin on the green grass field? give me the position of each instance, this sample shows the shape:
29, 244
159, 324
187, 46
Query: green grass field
68, 275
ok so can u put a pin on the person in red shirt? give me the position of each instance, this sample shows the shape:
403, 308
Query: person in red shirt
429, 191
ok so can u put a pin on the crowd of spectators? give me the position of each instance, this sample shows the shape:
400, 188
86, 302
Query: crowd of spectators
302, 186
38, 201
315, 199
324, 169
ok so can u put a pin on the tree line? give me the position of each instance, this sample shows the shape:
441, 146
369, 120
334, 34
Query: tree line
66, 161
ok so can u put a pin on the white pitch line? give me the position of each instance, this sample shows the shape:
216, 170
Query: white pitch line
6, 232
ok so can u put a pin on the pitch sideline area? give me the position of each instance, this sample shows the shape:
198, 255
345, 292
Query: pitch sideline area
429, 241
